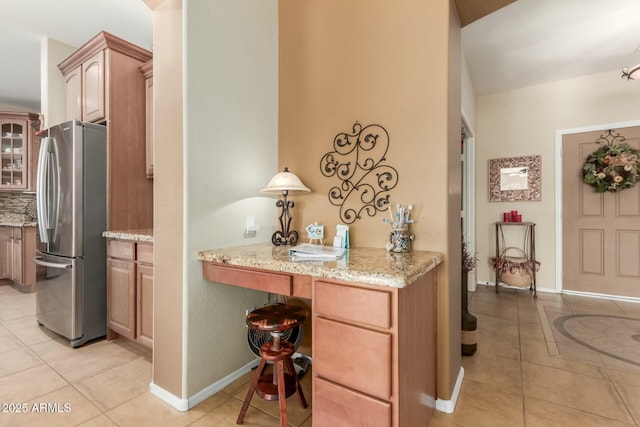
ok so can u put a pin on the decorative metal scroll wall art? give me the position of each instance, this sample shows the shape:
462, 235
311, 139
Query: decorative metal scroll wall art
358, 162
515, 178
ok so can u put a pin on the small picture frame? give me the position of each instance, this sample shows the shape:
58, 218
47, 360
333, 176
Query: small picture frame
315, 231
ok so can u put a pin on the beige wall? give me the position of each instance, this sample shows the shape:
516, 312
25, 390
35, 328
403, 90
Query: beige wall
52, 102
168, 270
231, 96
222, 83
388, 64
9, 107
231, 151
524, 122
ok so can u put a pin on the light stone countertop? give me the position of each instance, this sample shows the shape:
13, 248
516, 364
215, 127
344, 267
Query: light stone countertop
372, 266
132, 235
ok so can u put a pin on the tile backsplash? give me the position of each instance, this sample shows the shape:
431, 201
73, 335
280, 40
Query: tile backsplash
17, 204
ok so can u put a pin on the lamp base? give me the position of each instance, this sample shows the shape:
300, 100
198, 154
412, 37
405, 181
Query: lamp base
284, 239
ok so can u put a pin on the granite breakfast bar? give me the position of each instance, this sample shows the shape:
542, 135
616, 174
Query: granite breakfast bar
373, 318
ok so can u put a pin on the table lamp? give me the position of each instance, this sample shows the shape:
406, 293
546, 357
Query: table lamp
286, 183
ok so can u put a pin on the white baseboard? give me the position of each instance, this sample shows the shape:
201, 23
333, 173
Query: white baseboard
449, 406
165, 396
219, 385
505, 286
603, 296
186, 404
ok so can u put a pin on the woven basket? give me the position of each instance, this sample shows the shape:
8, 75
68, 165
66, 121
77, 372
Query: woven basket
516, 270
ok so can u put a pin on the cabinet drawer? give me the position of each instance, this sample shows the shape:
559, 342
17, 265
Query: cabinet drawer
267, 282
145, 253
355, 357
335, 406
121, 249
366, 306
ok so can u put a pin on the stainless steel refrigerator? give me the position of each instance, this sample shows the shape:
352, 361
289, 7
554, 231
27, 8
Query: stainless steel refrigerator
71, 199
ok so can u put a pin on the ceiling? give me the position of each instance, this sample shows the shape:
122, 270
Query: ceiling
73, 22
530, 42
524, 43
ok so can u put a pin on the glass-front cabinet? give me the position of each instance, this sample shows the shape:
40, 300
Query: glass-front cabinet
17, 139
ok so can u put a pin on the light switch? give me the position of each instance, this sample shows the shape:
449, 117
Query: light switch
250, 228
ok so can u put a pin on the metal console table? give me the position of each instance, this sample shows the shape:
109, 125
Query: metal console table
529, 250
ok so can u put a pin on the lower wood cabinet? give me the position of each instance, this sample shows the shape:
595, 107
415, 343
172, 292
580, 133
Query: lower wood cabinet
19, 246
374, 353
130, 291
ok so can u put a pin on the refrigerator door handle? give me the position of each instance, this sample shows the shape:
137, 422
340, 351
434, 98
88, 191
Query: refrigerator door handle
38, 260
48, 189
41, 189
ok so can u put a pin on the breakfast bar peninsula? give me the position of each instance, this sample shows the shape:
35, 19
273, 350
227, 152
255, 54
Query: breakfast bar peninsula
374, 326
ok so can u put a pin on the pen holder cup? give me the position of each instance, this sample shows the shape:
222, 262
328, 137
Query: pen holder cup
399, 240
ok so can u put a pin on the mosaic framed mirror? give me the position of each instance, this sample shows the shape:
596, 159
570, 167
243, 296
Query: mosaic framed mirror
515, 179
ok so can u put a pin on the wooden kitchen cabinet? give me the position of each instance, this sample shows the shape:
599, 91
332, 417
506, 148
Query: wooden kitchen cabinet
130, 291
147, 73
104, 85
374, 350
19, 246
16, 156
15, 252
73, 94
5, 259
93, 89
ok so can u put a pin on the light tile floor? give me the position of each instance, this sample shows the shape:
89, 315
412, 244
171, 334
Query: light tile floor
525, 372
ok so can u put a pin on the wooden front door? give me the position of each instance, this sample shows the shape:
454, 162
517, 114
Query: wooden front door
601, 231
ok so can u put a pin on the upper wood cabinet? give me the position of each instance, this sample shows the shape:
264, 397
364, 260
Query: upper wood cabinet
17, 131
93, 108
147, 73
104, 85
73, 94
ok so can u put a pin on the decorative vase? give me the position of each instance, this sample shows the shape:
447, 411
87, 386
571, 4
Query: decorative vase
399, 240
469, 322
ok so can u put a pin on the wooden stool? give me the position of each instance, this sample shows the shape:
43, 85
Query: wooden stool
275, 319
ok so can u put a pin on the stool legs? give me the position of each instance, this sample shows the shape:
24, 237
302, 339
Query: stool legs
282, 398
292, 369
252, 389
279, 376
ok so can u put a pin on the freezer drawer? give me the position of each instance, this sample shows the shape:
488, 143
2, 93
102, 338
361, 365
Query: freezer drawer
59, 294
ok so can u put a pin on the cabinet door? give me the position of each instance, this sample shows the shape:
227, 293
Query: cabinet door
73, 95
5, 252
29, 243
149, 126
34, 150
93, 88
16, 260
14, 155
121, 297
144, 315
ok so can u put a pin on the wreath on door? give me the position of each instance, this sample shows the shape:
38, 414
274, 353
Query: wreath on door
613, 167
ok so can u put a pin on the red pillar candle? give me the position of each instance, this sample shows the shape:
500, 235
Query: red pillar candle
506, 217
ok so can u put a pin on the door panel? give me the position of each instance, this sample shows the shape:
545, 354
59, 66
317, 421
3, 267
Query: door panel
603, 229
592, 252
628, 248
